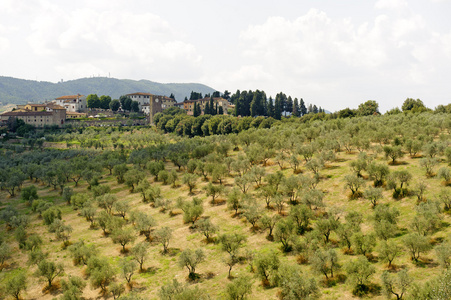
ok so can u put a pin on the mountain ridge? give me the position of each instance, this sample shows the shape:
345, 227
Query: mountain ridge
20, 91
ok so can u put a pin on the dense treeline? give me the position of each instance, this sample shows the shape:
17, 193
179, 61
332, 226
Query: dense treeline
255, 103
312, 207
175, 120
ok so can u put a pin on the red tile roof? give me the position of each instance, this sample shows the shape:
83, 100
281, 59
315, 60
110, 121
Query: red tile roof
69, 97
54, 106
37, 105
27, 113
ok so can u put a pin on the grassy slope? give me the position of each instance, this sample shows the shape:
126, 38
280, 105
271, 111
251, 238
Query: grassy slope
162, 268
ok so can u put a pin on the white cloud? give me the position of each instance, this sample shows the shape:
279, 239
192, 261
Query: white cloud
390, 4
327, 56
104, 40
4, 42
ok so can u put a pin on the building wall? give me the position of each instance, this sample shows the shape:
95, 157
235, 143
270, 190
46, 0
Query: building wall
154, 107
39, 119
141, 99
74, 105
188, 106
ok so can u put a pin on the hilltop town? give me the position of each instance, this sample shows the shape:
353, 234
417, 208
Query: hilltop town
77, 107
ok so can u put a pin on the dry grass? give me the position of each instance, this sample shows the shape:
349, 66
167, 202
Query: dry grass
161, 269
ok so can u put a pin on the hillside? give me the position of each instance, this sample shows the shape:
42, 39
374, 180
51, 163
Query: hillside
17, 91
336, 209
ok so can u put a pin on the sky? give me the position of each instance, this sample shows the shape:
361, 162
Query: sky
334, 54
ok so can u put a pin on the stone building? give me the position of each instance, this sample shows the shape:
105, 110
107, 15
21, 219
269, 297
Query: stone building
151, 104
73, 103
41, 118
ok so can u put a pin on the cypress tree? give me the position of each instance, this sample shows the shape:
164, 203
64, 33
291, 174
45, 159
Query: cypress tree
296, 108
270, 112
315, 109
212, 107
197, 110
289, 105
278, 108
302, 108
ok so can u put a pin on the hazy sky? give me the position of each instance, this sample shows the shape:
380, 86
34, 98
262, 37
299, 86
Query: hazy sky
333, 53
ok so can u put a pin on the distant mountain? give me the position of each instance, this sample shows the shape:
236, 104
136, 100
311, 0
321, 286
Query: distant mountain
19, 91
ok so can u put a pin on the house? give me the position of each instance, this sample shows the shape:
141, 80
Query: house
72, 103
75, 115
34, 107
151, 104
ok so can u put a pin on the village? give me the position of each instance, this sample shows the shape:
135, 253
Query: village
59, 111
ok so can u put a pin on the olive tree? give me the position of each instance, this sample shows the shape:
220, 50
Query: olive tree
354, 183
285, 232
416, 244
176, 290
190, 181
388, 251
325, 262
267, 265
373, 195
140, 254
81, 252
72, 288
190, 259
443, 253
393, 152
192, 210
100, 271
207, 228
123, 236
49, 270
396, 286
127, 268
29, 193
5, 254
239, 288
15, 284
164, 235
359, 272
295, 285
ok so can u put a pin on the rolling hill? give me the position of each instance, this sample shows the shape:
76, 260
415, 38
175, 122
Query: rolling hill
18, 91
